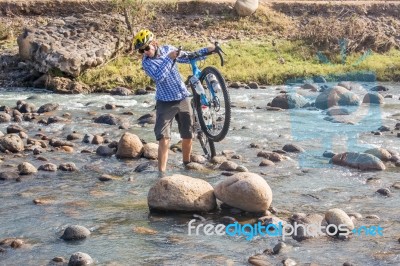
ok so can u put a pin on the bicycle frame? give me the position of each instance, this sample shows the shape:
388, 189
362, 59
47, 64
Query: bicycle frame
197, 72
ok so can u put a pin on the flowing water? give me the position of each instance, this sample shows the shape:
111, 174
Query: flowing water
304, 182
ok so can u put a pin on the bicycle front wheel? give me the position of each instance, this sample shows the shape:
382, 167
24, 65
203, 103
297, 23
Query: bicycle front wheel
215, 118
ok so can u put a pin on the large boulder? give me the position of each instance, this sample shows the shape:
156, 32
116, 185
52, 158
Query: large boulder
289, 101
181, 193
12, 143
246, 7
362, 161
71, 45
373, 98
129, 146
246, 191
336, 96
381, 153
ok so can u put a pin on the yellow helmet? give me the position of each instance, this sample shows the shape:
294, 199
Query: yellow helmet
142, 39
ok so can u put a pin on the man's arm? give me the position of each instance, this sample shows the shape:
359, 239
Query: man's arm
157, 73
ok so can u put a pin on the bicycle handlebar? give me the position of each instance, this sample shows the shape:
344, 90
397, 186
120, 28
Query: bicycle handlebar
195, 55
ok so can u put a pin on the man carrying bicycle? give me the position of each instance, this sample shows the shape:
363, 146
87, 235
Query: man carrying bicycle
171, 94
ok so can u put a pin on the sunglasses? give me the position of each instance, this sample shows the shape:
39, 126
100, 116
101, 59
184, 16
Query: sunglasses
147, 48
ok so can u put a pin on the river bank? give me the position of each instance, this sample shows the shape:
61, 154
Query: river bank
280, 42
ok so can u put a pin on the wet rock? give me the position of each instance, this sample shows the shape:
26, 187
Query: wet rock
129, 146
67, 149
59, 260
5, 118
181, 193
289, 262
228, 166
74, 136
379, 88
121, 91
27, 108
302, 219
241, 168
328, 154
372, 217
23, 135
336, 96
8, 176
289, 101
348, 264
75, 232
108, 119
333, 111
309, 86
14, 129
59, 143
109, 106
355, 215
104, 150
197, 158
337, 217
259, 260
384, 128
384, 192
147, 119
272, 156
97, 139
26, 169
246, 191
12, 242
254, 145
266, 162
292, 148
195, 166
381, 153
150, 151
362, 161
396, 185
48, 107
12, 143
145, 166
106, 178
56, 119
218, 159
69, 167
373, 98
281, 247
79, 259
88, 138
48, 167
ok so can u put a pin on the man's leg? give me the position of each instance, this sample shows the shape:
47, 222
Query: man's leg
186, 150
163, 147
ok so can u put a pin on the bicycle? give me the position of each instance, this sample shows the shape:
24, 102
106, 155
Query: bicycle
212, 115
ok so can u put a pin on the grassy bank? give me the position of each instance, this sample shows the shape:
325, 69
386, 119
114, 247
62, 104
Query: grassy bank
266, 62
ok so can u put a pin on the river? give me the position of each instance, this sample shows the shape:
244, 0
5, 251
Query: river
303, 182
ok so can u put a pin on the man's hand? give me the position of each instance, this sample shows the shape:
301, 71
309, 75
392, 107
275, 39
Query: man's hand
173, 55
211, 48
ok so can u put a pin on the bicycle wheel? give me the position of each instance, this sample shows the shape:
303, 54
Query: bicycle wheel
206, 144
215, 118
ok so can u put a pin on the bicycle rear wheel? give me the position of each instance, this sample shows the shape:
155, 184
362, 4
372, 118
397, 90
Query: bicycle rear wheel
215, 118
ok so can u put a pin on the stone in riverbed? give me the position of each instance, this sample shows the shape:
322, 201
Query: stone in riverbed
75, 232
80, 259
181, 193
339, 217
26, 168
246, 191
48, 107
362, 161
70, 167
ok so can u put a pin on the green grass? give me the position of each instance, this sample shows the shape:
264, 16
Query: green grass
257, 61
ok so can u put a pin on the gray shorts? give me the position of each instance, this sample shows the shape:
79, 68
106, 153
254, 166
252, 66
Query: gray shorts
167, 111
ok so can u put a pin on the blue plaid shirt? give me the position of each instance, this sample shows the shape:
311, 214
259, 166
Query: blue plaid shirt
169, 84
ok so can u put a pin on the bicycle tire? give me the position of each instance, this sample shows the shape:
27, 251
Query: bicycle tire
207, 145
208, 150
212, 130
